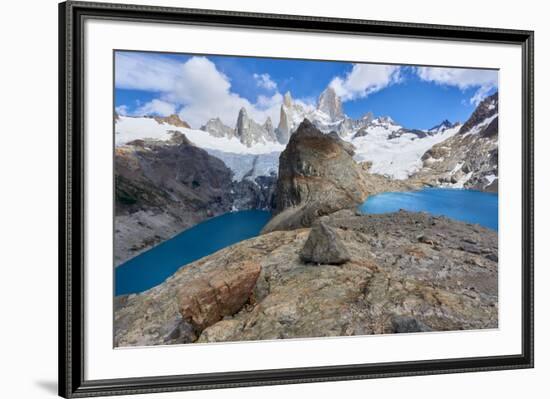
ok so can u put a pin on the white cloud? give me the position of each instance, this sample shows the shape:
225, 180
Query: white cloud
266, 102
122, 110
196, 87
365, 79
156, 107
145, 72
484, 80
264, 81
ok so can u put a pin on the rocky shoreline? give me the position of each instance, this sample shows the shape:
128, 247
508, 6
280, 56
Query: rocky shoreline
163, 188
322, 269
407, 272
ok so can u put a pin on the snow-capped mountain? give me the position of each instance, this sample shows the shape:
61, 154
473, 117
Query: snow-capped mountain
328, 116
292, 114
249, 132
330, 104
128, 128
394, 151
258, 159
216, 128
251, 149
442, 126
246, 130
468, 159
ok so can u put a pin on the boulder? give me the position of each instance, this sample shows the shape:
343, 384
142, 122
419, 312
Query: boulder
317, 176
207, 299
324, 246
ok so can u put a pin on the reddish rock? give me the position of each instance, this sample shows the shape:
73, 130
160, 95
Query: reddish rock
208, 298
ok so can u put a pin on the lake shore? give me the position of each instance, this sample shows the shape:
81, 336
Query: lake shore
406, 268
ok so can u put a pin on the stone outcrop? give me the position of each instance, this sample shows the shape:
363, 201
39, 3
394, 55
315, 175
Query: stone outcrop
254, 193
317, 176
485, 110
164, 187
173, 120
394, 282
217, 128
324, 246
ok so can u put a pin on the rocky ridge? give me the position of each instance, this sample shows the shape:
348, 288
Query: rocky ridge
247, 130
468, 159
164, 187
173, 120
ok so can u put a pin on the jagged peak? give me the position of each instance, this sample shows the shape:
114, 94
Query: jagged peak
329, 91
287, 99
386, 119
330, 104
485, 109
268, 125
369, 116
444, 124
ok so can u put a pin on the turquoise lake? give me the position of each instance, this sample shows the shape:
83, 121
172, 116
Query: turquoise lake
160, 262
465, 205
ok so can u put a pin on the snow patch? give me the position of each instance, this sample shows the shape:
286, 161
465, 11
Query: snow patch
490, 178
399, 157
128, 129
477, 128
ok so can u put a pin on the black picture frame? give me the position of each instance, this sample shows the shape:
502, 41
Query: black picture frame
71, 199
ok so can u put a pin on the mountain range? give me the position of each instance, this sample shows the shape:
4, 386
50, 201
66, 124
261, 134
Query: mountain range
327, 116
169, 174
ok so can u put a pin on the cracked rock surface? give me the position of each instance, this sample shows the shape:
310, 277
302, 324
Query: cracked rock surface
395, 281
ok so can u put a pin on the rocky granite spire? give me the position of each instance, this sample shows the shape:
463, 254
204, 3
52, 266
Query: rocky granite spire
243, 123
287, 100
249, 132
330, 104
217, 128
269, 130
283, 130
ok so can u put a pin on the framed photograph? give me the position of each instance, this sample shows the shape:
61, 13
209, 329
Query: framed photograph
253, 199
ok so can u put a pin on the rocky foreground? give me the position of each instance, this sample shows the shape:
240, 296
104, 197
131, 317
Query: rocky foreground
401, 272
319, 269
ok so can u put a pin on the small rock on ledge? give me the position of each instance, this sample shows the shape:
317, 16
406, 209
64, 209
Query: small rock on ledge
324, 246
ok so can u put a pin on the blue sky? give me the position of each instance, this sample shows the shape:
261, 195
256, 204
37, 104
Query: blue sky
202, 87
